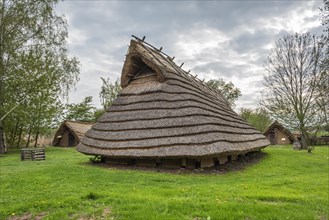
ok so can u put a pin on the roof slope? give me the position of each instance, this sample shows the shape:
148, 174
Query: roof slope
280, 127
162, 111
78, 129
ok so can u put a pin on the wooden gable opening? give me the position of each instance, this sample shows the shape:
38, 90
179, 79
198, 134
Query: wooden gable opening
141, 63
142, 70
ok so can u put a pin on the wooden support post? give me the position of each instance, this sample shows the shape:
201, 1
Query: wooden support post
184, 162
207, 162
222, 159
234, 157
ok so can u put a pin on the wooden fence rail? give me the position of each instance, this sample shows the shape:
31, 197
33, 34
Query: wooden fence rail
323, 140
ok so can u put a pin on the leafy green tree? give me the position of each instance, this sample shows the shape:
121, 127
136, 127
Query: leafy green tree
228, 90
98, 113
35, 68
83, 111
295, 82
258, 118
109, 92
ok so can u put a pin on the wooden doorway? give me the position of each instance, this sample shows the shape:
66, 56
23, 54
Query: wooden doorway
272, 138
71, 140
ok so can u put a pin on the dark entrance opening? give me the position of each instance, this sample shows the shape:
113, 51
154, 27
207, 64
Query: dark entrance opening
71, 140
158, 163
197, 164
132, 162
272, 137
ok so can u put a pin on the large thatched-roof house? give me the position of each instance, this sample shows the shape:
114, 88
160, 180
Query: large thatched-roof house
70, 133
166, 117
277, 134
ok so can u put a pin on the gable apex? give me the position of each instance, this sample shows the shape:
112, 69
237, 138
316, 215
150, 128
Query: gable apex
139, 59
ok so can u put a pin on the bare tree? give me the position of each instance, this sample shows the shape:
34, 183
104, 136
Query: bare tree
325, 62
325, 15
296, 85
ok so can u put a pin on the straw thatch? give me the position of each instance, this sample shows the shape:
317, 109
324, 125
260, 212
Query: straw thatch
164, 112
277, 134
70, 133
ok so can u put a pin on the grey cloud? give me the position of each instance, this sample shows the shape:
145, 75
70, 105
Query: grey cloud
159, 16
106, 27
248, 100
222, 69
256, 84
250, 42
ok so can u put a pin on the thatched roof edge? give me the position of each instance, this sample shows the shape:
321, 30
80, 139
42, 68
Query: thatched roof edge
188, 151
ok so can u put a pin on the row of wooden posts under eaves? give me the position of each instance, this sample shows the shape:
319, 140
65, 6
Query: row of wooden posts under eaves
166, 117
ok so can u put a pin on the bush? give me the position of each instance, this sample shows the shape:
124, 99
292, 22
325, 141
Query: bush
96, 159
92, 196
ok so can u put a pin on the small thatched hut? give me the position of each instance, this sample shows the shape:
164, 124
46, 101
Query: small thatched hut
70, 133
166, 117
277, 134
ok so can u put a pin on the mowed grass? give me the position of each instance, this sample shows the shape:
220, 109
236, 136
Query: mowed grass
285, 184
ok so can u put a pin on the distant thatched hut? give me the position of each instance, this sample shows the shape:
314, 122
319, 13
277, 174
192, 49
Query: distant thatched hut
70, 133
166, 117
277, 134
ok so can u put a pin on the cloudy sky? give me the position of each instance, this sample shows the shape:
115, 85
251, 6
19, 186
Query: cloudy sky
214, 39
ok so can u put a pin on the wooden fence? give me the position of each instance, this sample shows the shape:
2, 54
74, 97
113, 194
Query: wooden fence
323, 140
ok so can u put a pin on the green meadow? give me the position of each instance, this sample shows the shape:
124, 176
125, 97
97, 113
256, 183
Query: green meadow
284, 184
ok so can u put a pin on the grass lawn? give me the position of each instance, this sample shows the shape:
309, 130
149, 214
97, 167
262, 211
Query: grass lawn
285, 184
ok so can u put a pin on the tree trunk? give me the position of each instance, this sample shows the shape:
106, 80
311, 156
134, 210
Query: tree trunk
28, 138
36, 139
304, 138
2, 140
19, 137
303, 142
13, 137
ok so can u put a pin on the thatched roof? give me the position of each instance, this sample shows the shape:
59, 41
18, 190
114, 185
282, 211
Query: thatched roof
162, 111
277, 125
77, 129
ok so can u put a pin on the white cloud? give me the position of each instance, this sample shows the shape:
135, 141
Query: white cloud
198, 46
302, 19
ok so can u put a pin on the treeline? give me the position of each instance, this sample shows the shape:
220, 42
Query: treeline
36, 70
